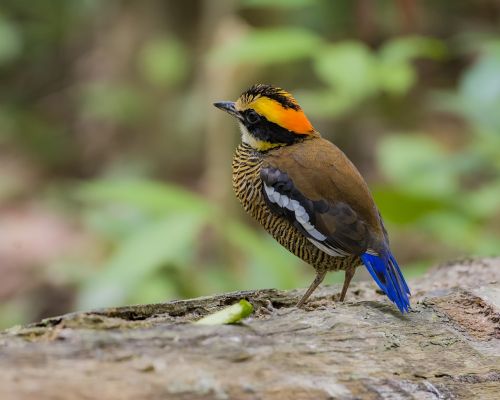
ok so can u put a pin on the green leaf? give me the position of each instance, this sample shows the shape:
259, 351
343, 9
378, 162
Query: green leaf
268, 46
325, 103
154, 289
483, 202
405, 208
395, 71
349, 67
479, 91
163, 62
478, 95
396, 77
228, 315
15, 313
269, 264
115, 102
164, 242
410, 47
150, 196
452, 228
10, 41
417, 164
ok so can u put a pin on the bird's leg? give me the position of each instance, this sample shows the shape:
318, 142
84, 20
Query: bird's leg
349, 273
320, 275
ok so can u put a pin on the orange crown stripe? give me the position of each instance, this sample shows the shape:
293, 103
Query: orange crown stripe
288, 118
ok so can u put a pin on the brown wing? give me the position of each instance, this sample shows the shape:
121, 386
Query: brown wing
321, 192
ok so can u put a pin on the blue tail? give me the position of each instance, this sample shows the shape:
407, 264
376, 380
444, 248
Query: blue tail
385, 271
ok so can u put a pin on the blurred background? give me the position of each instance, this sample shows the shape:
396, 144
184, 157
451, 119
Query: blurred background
115, 169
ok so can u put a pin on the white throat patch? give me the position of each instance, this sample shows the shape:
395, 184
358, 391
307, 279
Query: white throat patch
245, 135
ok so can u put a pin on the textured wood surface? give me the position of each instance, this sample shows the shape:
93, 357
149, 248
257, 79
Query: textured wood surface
448, 347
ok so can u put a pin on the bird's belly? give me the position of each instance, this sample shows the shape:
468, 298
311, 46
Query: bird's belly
248, 188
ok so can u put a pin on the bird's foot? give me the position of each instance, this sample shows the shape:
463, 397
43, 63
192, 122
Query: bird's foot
336, 298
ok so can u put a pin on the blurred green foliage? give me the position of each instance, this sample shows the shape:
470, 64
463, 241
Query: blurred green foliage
164, 62
106, 104
10, 41
155, 229
351, 71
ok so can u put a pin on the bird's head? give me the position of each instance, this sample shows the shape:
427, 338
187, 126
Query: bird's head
268, 117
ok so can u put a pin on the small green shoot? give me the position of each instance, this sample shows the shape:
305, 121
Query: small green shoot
228, 315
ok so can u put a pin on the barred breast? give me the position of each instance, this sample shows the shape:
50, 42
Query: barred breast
248, 188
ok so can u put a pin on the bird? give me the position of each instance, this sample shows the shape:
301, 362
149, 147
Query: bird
307, 194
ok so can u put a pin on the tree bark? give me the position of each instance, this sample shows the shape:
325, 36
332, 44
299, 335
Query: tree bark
447, 347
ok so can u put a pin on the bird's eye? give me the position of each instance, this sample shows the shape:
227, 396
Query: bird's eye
252, 117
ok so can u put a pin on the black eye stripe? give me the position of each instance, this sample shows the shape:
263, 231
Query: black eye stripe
270, 132
251, 116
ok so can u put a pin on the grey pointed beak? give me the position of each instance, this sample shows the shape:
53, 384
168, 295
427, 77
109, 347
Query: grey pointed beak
228, 106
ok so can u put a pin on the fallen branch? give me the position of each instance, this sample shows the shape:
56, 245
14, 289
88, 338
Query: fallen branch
447, 347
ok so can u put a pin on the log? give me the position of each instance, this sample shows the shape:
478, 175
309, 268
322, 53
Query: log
447, 347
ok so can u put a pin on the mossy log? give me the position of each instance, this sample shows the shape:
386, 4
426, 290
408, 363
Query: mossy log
447, 347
